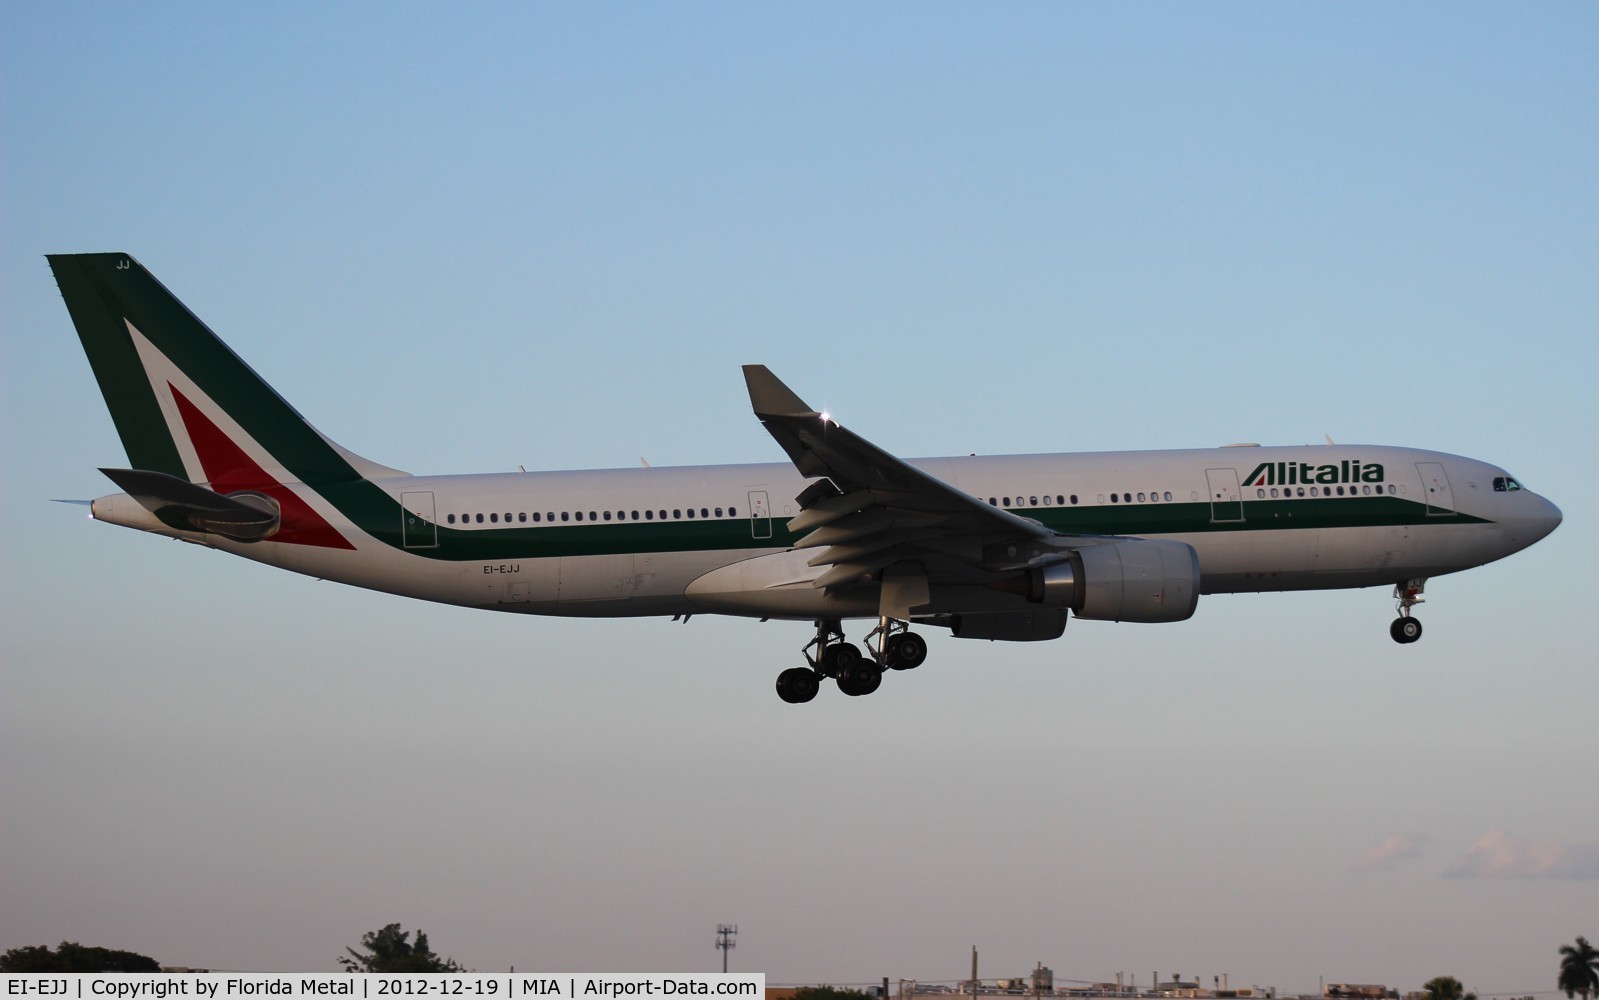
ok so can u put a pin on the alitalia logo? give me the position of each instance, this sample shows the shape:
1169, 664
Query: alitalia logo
1298, 473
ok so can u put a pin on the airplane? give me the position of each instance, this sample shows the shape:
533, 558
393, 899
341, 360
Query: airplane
1001, 548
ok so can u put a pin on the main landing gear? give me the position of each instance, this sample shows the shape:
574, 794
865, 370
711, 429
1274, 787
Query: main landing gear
1406, 629
892, 646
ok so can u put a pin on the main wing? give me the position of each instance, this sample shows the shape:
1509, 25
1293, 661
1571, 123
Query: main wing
868, 511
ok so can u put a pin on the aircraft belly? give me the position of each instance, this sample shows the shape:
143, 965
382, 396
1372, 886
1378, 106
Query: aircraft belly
776, 585
645, 581
395, 572
1238, 561
1328, 558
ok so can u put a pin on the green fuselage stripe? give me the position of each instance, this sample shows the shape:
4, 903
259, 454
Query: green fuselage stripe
377, 514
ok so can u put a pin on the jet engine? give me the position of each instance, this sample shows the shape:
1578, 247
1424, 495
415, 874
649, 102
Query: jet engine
1139, 580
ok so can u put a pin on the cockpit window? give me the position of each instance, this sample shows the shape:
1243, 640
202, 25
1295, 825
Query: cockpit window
1505, 484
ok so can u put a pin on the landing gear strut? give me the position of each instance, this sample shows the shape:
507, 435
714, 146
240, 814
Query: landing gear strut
893, 647
1405, 628
900, 649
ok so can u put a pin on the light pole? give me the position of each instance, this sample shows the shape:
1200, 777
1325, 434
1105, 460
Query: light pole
724, 941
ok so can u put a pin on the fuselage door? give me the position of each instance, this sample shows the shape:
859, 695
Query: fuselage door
1440, 500
419, 528
1226, 503
760, 515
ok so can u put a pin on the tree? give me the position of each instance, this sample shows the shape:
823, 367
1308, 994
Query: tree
390, 950
74, 957
832, 993
1579, 969
1447, 988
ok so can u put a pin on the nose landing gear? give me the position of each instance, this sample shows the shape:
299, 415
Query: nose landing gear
1405, 628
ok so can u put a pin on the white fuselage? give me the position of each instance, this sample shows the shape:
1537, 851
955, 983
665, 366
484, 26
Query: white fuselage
629, 542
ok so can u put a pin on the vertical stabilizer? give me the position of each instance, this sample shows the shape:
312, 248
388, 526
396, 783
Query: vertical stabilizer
184, 404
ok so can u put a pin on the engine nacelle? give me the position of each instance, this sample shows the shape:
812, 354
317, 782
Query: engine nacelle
1140, 580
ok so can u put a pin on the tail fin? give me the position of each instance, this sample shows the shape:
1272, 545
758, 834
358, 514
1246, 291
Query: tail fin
184, 404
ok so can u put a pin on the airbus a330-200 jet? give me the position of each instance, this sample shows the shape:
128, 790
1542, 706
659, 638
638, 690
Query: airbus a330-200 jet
1001, 547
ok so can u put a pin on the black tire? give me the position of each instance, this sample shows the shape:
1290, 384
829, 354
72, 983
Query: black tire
797, 685
863, 680
828, 661
844, 657
1405, 630
906, 651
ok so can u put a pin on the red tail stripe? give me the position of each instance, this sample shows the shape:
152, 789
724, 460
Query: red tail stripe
228, 469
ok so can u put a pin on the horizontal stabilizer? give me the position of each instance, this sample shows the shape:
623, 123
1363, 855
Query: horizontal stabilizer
246, 517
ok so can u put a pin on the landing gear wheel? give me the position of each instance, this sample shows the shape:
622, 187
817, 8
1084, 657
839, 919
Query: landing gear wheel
864, 678
827, 662
840, 658
905, 651
1405, 630
797, 685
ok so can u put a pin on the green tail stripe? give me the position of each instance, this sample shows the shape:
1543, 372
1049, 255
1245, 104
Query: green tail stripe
98, 317
104, 289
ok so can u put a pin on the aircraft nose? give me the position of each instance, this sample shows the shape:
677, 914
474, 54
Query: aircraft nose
1543, 518
1550, 517
1532, 520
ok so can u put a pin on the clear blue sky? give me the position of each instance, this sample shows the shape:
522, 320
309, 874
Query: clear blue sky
466, 239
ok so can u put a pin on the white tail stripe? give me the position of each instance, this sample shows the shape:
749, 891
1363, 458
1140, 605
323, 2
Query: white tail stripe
165, 376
